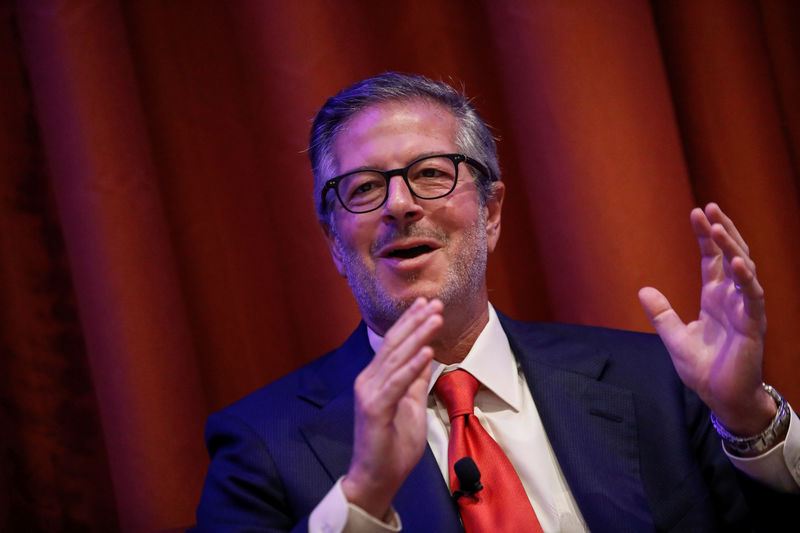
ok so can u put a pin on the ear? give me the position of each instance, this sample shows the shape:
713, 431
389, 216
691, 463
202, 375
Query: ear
494, 208
336, 254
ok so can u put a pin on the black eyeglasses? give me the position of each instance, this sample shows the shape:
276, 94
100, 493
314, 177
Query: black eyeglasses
429, 178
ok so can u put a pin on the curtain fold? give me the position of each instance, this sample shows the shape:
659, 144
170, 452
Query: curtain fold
159, 252
600, 152
731, 106
52, 451
131, 308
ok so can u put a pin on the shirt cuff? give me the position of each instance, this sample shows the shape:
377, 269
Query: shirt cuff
778, 468
334, 514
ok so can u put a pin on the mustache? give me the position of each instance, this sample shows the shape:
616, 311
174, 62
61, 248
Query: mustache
411, 230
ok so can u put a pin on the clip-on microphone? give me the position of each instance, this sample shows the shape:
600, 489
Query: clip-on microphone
469, 478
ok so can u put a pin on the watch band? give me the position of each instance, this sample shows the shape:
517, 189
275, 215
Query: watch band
764, 440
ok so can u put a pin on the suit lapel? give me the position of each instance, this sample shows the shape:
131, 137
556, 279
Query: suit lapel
591, 426
330, 388
423, 502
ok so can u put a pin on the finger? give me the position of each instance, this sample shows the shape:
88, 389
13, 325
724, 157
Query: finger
374, 395
750, 288
661, 314
405, 380
712, 265
716, 215
419, 387
730, 247
702, 228
741, 249
408, 322
408, 348
391, 361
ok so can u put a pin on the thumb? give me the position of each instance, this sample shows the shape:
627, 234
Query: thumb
660, 312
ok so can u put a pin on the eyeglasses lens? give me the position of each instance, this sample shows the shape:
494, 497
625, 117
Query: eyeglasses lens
429, 178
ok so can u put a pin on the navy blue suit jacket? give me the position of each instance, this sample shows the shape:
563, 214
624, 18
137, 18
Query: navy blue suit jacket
634, 444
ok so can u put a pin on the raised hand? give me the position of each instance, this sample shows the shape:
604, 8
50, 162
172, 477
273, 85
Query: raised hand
720, 354
390, 402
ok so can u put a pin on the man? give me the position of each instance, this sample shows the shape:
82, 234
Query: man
597, 426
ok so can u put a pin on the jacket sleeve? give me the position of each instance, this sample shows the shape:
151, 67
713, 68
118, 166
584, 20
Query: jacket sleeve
742, 503
243, 491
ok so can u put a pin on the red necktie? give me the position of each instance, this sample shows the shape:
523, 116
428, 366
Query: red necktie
502, 504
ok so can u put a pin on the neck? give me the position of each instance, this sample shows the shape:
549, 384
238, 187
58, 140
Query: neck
459, 332
463, 322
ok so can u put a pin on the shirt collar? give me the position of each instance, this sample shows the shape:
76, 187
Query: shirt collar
490, 360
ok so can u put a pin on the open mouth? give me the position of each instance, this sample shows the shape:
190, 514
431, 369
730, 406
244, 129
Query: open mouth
410, 253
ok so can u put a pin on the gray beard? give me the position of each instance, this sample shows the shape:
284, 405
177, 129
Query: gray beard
465, 274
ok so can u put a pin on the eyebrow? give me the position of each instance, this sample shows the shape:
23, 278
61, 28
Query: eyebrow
416, 157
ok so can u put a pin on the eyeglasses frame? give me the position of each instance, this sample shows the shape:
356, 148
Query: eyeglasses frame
457, 159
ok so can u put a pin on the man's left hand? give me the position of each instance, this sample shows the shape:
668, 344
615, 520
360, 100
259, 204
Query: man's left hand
720, 354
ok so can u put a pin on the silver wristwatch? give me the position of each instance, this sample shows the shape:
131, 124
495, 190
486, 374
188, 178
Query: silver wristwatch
764, 440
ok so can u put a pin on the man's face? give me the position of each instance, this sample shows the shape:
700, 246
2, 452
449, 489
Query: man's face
410, 247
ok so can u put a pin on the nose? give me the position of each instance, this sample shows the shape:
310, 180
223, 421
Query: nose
400, 204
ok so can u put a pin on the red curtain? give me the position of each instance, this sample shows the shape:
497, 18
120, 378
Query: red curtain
159, 253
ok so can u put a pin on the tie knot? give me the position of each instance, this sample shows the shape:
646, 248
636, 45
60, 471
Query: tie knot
457, 390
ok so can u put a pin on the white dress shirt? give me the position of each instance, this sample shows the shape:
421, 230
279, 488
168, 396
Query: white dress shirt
505, 408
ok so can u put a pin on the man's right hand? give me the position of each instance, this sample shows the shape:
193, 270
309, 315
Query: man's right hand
390, 402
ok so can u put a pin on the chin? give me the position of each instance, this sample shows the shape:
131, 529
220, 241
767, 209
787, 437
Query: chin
382, 308
407, 295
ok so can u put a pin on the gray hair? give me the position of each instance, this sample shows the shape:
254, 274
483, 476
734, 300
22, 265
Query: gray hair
473, 138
